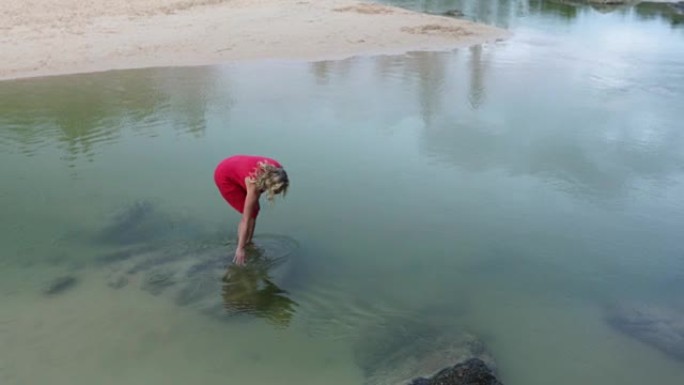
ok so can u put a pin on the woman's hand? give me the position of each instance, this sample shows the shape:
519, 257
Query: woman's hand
239, 256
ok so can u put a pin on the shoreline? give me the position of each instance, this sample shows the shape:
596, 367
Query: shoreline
60, 37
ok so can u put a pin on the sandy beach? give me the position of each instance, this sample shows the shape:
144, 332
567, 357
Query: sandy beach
51, 37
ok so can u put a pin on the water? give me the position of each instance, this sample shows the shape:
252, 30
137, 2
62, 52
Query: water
514, 190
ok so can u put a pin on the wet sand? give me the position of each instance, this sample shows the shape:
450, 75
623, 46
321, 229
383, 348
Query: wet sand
50, 37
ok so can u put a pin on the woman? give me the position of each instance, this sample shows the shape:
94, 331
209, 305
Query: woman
242, 179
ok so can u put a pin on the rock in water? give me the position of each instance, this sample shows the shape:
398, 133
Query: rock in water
60, 285
471, 372
453, 13
401, 350
156, 281
660, 327
131, 225
201, 276
122, 255
142, 222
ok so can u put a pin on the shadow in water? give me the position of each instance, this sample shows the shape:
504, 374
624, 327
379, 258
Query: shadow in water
249, 289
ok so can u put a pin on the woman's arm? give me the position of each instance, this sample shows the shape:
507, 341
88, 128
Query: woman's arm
246, 226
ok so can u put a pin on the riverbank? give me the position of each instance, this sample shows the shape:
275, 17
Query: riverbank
51, 37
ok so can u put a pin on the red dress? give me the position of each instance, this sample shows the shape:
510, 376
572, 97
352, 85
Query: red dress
230, 177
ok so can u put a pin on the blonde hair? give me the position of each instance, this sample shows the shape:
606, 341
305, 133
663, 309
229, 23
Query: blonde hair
271, 179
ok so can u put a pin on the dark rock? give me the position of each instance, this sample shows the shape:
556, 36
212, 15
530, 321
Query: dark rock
155, 282
399, 350
453, 13
657, 326
60, 285
471, 372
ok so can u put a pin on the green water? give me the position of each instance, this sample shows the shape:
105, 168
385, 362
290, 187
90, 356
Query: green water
513, 189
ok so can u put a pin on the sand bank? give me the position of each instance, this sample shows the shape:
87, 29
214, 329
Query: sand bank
50, 37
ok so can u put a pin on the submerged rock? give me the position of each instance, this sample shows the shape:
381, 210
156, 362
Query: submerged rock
142, 223
156, 281
659, 327
399, 351
122, 255
117, 282
471, 372
133, 224
60, 285
201, 276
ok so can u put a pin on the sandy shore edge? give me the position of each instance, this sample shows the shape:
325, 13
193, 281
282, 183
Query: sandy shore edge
56, 37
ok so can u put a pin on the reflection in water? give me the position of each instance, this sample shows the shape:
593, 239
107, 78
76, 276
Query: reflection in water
592, 140
505, 13
84, 111
674, 12
431, 69
564, 9
601, 7
568, 154
579, 118
496, 12
491, 108
249, 289
478, 69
